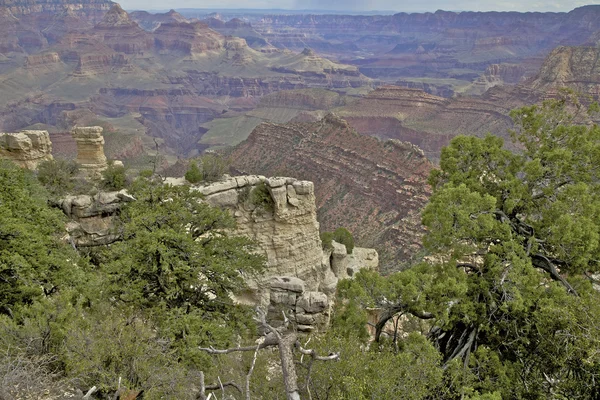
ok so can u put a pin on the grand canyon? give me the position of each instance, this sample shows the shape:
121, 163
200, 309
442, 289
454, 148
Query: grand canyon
255, 86
414, 193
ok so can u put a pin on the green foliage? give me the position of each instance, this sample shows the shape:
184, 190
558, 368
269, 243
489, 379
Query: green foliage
378, 373
212, 167
340, 235
33, 260
178, 263
513, 235
114, 177
261, 198
193, 174
326, 240
343, 236
58, 176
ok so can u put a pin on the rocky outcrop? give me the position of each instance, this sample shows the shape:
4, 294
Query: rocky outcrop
92, 218
26, 148
375, 189
496, 75
150, 22
90, 149
280, 215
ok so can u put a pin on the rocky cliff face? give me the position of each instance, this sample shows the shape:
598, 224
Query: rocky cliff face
442, 44
301, 278
573, 67
92, 9
93, 218
496, 75
375, 189
26, 148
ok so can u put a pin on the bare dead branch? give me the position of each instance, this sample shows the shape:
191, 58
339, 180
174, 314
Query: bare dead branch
249, 375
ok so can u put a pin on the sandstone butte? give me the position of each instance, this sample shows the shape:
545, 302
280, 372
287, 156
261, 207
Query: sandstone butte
301, 276
374, 188
90, 149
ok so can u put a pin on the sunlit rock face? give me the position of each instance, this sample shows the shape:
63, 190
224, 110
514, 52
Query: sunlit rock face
26, 148
90, 149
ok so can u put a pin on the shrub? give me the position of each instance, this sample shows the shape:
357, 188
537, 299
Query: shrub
343, 236
193, 174
58, 176
214, 166
327, 239
114, 177
261, 197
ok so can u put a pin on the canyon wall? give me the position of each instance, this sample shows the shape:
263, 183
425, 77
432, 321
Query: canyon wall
374, 188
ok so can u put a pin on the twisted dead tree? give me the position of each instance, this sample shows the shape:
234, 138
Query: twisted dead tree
286, 340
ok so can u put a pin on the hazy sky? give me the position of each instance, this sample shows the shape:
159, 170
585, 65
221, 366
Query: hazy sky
357, 5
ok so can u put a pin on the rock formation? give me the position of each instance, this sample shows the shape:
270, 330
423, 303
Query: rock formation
373, 188
92, 218
573, 67
496, 75
282, 219
90, 149
26, 148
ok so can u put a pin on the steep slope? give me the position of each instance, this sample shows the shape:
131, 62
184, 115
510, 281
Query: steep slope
573, 67
376, 189
430, 121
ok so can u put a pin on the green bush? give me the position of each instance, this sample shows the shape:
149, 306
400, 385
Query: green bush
214, 166
343, 236
261, 197
58, 176
326, 240
193, 174
208, 168
114, 177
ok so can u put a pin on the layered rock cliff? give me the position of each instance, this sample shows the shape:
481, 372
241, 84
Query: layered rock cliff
443, 44
26, 148
573, 67
375, 189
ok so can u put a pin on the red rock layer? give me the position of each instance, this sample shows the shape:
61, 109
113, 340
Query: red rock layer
374, 188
